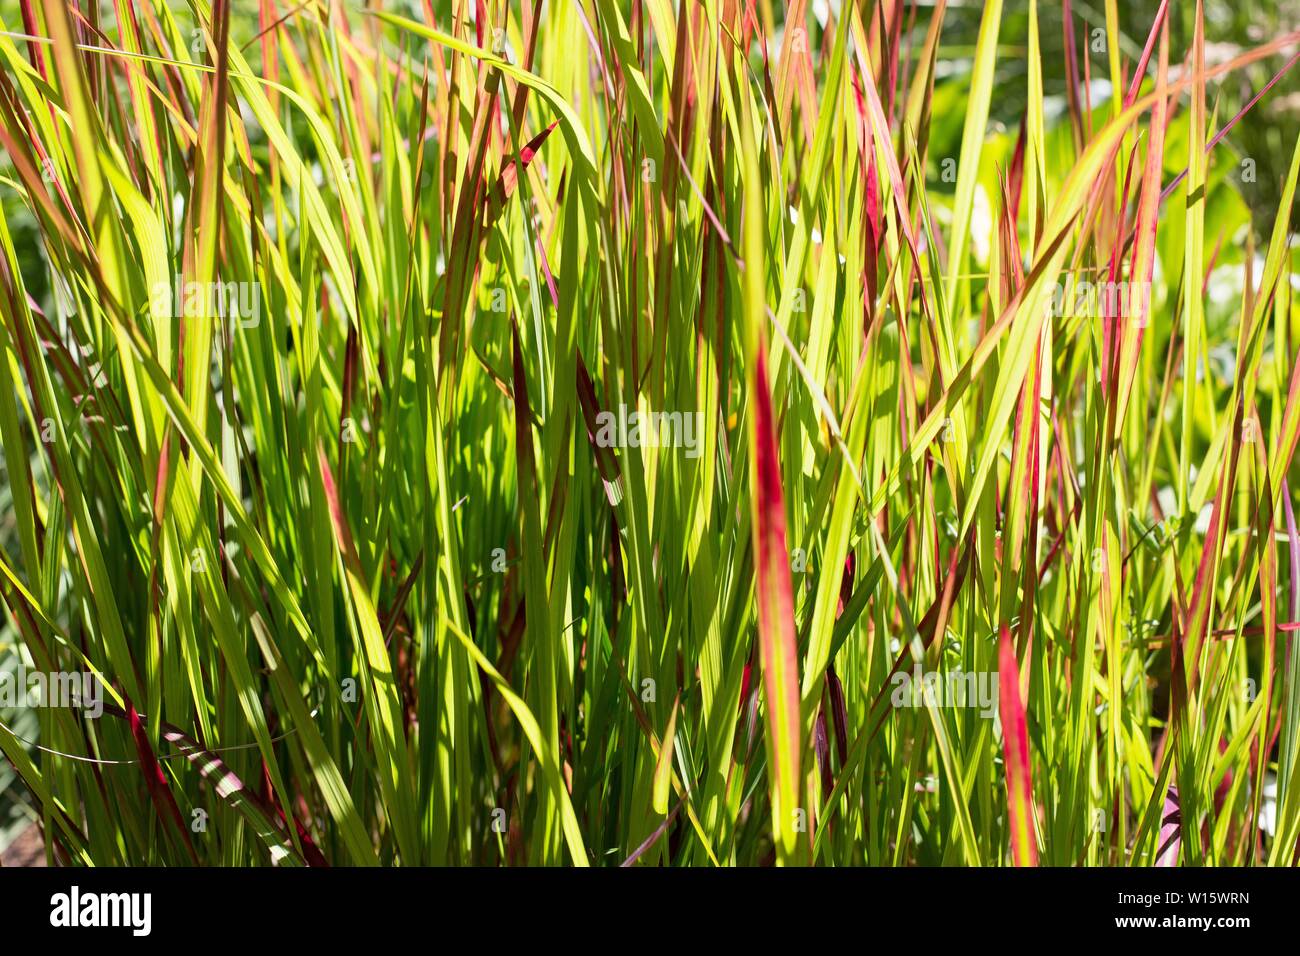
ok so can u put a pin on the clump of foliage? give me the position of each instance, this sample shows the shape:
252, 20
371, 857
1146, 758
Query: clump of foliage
311, 318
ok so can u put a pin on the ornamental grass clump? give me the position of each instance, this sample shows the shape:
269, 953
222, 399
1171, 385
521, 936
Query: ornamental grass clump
652, 433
